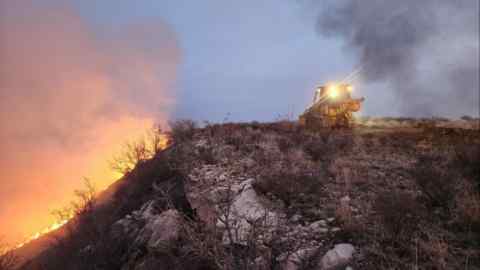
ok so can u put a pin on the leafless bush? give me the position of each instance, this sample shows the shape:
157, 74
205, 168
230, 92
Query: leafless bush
467, 161
351, 225
79, 213
286, 126
235, 138
234, 242
207, 155
285, 144
139, 150
436, 182
317, 148
85, 242
324, 146
467, 204
399, 214
182, 130
8, 260
157, 139
182, 157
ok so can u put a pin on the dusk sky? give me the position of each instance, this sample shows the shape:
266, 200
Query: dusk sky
79, 77
256, 60
247, 60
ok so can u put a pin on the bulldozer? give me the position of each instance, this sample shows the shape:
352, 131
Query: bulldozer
333, 107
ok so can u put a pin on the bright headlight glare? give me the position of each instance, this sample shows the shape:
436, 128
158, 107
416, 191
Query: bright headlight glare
333, 92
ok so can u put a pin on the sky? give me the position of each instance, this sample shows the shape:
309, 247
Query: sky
260, 60
241, 60
80, 77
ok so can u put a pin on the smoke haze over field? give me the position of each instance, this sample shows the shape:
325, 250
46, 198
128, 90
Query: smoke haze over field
426, 51
68, 100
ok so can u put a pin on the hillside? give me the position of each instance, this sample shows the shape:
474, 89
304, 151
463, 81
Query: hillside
391, 194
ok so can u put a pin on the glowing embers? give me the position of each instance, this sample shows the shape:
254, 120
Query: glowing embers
45, 231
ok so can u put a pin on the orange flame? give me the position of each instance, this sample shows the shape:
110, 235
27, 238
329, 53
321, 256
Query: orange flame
162, 144
45, 231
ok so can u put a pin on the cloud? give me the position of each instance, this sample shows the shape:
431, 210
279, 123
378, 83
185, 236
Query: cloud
68, 97
426, 51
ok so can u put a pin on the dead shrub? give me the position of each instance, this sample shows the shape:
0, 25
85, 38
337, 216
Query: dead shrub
351, 225
284, 144
235, 138
399, 214
85, 241
434, 252
467, 161
286, 126
138, 151
8, 260
397, 227
182, 130
436, 182
207, 155
291, 179
317, 148
133, 153
287, 186
468, 209
324, 146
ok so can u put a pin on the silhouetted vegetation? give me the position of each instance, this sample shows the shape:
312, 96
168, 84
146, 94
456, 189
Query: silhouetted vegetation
8, 260
405, 199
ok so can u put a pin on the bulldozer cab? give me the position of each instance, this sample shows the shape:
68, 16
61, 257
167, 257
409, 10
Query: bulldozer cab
332, 93
333, 106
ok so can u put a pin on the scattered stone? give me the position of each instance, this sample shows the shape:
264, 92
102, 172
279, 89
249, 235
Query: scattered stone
340, 255
295, 260
345, 199
166, 228
296, 218
319, 226
247, 206
335, 229
160, 230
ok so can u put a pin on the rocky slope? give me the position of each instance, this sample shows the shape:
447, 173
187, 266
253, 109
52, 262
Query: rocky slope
391, 194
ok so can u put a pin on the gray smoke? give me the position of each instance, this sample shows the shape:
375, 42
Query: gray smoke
427, 51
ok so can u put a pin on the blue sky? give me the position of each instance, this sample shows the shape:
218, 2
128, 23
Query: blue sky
245, 60
256, 60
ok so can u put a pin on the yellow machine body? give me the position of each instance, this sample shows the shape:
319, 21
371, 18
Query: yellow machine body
332, 107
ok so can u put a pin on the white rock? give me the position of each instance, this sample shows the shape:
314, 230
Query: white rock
165, 228
160, 230
319, 226
296, 218
345, 199
294, 261
341, 254
247, 206
335, 229
147, 210
319, 223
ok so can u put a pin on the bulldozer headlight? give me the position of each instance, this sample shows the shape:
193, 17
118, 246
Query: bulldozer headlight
333, 91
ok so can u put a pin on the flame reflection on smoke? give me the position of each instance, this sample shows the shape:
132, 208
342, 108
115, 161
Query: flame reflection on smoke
68, 100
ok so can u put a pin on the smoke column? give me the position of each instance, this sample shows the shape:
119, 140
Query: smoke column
68, 100
426, 51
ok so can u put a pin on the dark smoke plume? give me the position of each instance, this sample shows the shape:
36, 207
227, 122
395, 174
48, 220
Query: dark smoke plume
427, 51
